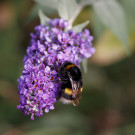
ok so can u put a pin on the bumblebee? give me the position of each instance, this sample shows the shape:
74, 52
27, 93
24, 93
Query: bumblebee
71, 87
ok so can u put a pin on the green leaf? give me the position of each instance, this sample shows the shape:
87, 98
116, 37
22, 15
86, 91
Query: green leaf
111, 15
79, 27
66, 8
84, 65
98, 26
87, 2
49, 3
34, 12
44, 20
129, 8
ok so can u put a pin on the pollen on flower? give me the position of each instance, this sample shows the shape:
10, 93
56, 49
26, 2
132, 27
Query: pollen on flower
28, 102
50, 46
35, 108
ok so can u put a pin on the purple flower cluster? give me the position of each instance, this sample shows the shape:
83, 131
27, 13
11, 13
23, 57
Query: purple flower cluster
50, 47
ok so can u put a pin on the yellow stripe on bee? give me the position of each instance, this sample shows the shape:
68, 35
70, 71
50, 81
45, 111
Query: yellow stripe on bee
68, 91
81, 89
69, 66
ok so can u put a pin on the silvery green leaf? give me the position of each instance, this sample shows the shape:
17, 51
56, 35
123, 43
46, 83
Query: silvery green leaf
44, 20
79, 27
98, 26
111, 15
66, 8
87, 2
84, 65
34, 12
48, 3
129, 7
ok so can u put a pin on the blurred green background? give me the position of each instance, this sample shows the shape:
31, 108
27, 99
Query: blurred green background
107, 106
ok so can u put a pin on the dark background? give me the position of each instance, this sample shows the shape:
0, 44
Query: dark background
107, 106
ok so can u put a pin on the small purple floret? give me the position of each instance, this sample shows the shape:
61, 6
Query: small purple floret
50, 47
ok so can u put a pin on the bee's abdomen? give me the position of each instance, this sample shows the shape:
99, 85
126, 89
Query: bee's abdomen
67, 93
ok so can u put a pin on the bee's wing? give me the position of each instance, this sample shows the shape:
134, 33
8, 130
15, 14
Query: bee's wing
76, 88
75, 84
